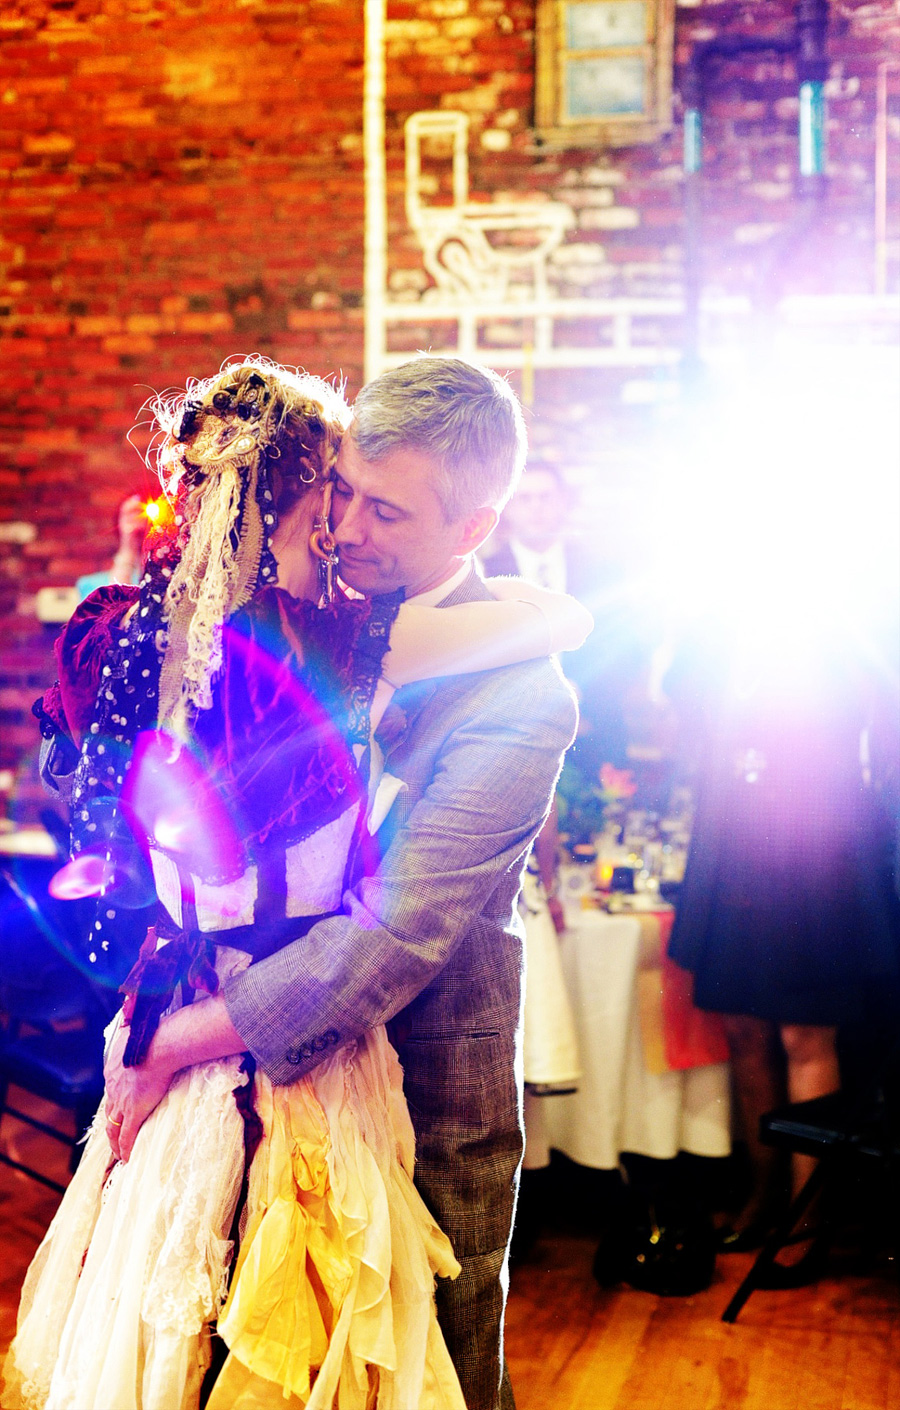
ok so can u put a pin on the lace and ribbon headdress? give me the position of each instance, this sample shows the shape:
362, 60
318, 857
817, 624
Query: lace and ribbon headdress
217, 465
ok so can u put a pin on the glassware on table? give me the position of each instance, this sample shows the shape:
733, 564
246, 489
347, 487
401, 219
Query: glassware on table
673, 862
610, 854
576, 878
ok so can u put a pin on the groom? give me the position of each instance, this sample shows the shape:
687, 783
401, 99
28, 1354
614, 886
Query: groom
430, 943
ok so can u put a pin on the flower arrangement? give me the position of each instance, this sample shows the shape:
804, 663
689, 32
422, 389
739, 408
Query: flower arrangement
585, 805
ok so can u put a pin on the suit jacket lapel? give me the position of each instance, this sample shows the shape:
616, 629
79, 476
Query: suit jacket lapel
401, 714
408, 702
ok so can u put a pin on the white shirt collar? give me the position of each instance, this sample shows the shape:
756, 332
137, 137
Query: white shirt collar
434, 596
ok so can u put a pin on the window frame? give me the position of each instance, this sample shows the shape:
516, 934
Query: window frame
553, 126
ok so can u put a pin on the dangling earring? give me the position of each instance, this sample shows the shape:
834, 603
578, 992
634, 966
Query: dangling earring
323, 547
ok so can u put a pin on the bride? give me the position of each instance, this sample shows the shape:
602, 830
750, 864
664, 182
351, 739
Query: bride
262, 1245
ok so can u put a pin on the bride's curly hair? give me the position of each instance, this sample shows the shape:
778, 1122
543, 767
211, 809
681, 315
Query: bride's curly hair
234, 452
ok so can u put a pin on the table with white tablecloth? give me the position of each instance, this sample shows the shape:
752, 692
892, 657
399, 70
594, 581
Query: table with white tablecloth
621, 1104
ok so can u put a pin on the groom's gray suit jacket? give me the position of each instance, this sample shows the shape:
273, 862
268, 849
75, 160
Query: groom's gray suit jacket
431, 945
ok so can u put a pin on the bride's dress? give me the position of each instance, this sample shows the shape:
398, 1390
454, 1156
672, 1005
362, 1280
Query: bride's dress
336, 1269
333, 1289
331, 1301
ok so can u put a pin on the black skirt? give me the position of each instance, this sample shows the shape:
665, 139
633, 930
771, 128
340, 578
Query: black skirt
787, 911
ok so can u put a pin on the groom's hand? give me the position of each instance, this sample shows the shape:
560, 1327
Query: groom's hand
132, 1093
196, 1033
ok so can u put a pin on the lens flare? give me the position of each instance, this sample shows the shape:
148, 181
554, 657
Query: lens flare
172, 803
84, 875
158, 513
778, 513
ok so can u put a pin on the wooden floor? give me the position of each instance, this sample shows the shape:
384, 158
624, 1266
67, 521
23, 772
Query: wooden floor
573, 1346
26, 1207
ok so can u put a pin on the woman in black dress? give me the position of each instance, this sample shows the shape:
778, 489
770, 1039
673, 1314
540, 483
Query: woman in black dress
786, 918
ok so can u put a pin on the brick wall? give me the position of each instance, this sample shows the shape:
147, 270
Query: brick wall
183, 180
180, 182
476, 55
758, 239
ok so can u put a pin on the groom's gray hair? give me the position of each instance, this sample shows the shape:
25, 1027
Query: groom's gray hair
466, 419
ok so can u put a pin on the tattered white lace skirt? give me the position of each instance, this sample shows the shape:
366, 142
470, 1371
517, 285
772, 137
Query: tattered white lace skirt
333, 1295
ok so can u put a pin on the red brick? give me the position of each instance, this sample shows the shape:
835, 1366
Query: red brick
165, 243
205, 323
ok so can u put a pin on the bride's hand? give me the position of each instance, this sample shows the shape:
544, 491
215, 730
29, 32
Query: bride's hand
199, 1032
132, 1093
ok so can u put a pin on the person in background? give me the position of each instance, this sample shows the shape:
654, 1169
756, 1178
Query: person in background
126, 565
538, 551
786, 917
536, 547
535, 542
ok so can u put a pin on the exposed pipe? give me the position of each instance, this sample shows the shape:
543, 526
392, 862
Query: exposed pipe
375, 271
881, 144
806, 42
812, 71
694, 95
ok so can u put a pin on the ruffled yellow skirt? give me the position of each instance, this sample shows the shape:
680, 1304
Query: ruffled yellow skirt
331, 1306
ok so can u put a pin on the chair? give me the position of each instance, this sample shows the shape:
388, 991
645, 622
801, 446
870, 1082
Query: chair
51, 1038
842, 1132
65, 1068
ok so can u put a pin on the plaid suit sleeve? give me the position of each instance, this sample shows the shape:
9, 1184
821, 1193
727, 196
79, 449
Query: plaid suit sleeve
502, 741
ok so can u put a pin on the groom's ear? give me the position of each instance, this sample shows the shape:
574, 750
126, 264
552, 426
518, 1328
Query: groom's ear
476, 529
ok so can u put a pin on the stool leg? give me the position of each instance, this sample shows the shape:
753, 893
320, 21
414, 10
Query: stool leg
777, 1239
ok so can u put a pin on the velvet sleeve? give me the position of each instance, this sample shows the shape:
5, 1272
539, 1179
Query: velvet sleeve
292, 700
81, 649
